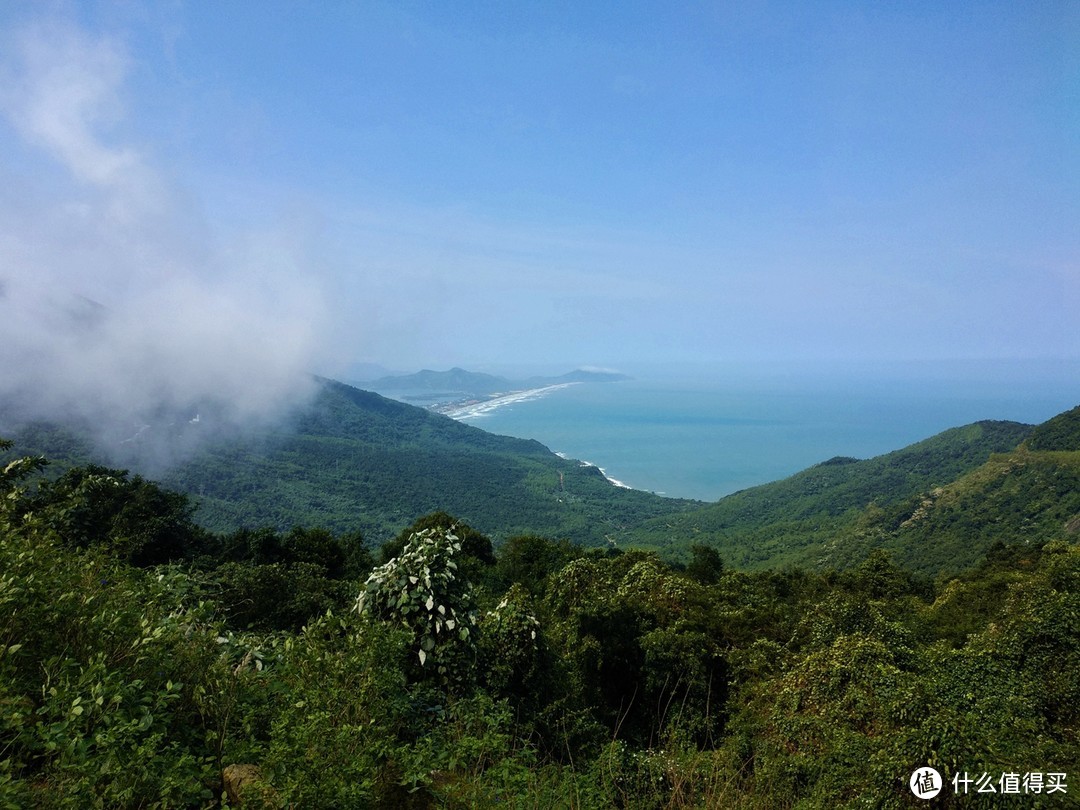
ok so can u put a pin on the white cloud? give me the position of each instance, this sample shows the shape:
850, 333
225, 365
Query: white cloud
116, 298
64, 92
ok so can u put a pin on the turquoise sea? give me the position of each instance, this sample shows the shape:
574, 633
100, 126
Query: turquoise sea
709, 435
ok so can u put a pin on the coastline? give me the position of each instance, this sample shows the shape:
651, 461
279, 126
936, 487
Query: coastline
603, 472
475, 409
706, 439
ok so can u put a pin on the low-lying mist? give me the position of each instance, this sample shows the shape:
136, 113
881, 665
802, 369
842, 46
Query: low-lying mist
121, 308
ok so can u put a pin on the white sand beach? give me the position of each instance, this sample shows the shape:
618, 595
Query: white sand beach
475, 410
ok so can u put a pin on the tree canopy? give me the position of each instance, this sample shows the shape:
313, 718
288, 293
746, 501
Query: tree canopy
145, 662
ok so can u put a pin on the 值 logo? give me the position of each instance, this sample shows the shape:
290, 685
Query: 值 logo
925, 783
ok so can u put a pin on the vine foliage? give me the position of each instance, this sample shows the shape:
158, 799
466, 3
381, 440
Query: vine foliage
423, 590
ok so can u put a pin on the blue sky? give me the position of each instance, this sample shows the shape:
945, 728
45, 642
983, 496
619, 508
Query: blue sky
558, 184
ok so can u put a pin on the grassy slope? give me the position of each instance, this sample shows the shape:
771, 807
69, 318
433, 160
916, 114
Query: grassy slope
1028, 496
800, 519
1019, 497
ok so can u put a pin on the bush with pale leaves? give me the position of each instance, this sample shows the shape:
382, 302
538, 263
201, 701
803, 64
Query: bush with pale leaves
423, 590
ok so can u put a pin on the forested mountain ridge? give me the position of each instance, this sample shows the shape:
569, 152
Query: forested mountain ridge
1026, 497
801, 519
190, 668
1062, 432
354, 460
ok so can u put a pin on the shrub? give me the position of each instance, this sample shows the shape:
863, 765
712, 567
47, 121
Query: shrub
422, 590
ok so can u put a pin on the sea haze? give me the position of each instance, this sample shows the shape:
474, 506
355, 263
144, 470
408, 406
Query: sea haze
711, 436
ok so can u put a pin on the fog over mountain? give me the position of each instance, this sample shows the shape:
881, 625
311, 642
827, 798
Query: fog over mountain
186, 214
119, 303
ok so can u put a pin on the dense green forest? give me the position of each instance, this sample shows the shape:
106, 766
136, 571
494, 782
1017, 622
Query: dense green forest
147, 661
355, 461
937, 506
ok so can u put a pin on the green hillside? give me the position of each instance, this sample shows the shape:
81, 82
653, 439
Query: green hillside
901, 610
145, 662
1029, 496
1021, 497
354, 460
802, 519
1060, 433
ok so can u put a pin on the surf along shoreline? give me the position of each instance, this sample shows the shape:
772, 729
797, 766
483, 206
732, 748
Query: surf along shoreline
465, 410
475, 408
